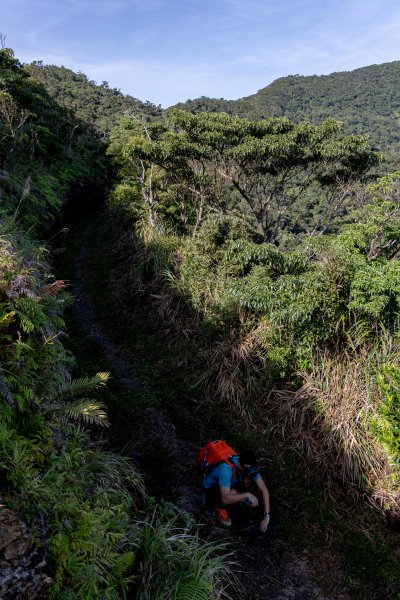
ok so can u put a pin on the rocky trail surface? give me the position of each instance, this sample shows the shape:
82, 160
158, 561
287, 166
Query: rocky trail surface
267, 568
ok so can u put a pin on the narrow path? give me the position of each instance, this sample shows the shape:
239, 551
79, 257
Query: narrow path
86, 319
156, 423
266, 570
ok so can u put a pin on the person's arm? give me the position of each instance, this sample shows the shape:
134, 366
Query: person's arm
265, 496
229, 496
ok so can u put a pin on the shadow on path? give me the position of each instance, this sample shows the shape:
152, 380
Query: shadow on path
267, 569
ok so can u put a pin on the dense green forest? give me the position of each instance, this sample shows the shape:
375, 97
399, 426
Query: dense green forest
366, 100
96, 105
262, 250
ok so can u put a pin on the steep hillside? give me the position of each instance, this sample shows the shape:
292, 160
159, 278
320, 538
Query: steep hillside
47, 153
73, 514
97, 105
366, 99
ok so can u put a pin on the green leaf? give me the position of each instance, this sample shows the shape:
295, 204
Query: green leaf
81, 386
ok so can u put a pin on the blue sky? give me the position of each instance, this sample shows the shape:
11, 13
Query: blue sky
167, 51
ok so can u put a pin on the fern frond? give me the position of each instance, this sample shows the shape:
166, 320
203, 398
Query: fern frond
89, 411
123, 563
30, 313
6, 319
194, 590
80, 386
26, 323
52, 289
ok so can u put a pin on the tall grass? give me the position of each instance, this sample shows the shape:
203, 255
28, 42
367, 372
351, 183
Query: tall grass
329, 419
236, 364
176, 565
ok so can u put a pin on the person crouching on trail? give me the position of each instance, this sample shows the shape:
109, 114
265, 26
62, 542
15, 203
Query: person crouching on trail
227, 479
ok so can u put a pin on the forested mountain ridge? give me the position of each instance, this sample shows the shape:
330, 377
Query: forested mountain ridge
97, 105
367, 100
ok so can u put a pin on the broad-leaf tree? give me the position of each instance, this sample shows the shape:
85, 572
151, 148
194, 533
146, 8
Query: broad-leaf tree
257, 170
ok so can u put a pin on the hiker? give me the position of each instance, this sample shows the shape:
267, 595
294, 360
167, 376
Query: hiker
228, 479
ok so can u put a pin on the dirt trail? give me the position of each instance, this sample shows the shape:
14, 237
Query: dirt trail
86, 319
267, 569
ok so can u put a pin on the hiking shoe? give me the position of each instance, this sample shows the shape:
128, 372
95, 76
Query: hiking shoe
222, 516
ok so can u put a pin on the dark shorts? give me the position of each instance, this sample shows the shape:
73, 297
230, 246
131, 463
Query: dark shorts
212, 496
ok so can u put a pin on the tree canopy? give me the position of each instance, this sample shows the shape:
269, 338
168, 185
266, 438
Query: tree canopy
256, 169
365, 100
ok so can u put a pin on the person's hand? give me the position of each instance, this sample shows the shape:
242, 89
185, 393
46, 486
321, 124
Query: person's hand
253, 500
264, 523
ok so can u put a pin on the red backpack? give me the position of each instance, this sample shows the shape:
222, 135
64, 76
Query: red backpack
215, 453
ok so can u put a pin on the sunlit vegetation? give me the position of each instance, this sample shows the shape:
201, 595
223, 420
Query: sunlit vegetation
267, 250
298, 337
263, 312
323, 317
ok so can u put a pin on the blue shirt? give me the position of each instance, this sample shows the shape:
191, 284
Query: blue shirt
222, 475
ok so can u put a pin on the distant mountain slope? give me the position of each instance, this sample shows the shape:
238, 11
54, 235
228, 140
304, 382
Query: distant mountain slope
366, 99
97, 105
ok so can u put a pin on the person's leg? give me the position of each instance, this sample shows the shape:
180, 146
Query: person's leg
212, 497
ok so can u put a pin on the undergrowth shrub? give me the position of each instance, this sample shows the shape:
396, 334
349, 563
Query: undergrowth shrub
52, 472
177, 565
86, 506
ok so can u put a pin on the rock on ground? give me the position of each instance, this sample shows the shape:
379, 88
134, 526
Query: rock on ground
22, 569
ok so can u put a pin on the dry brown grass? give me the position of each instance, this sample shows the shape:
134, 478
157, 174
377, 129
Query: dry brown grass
327, 422
54, 288
236, 364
